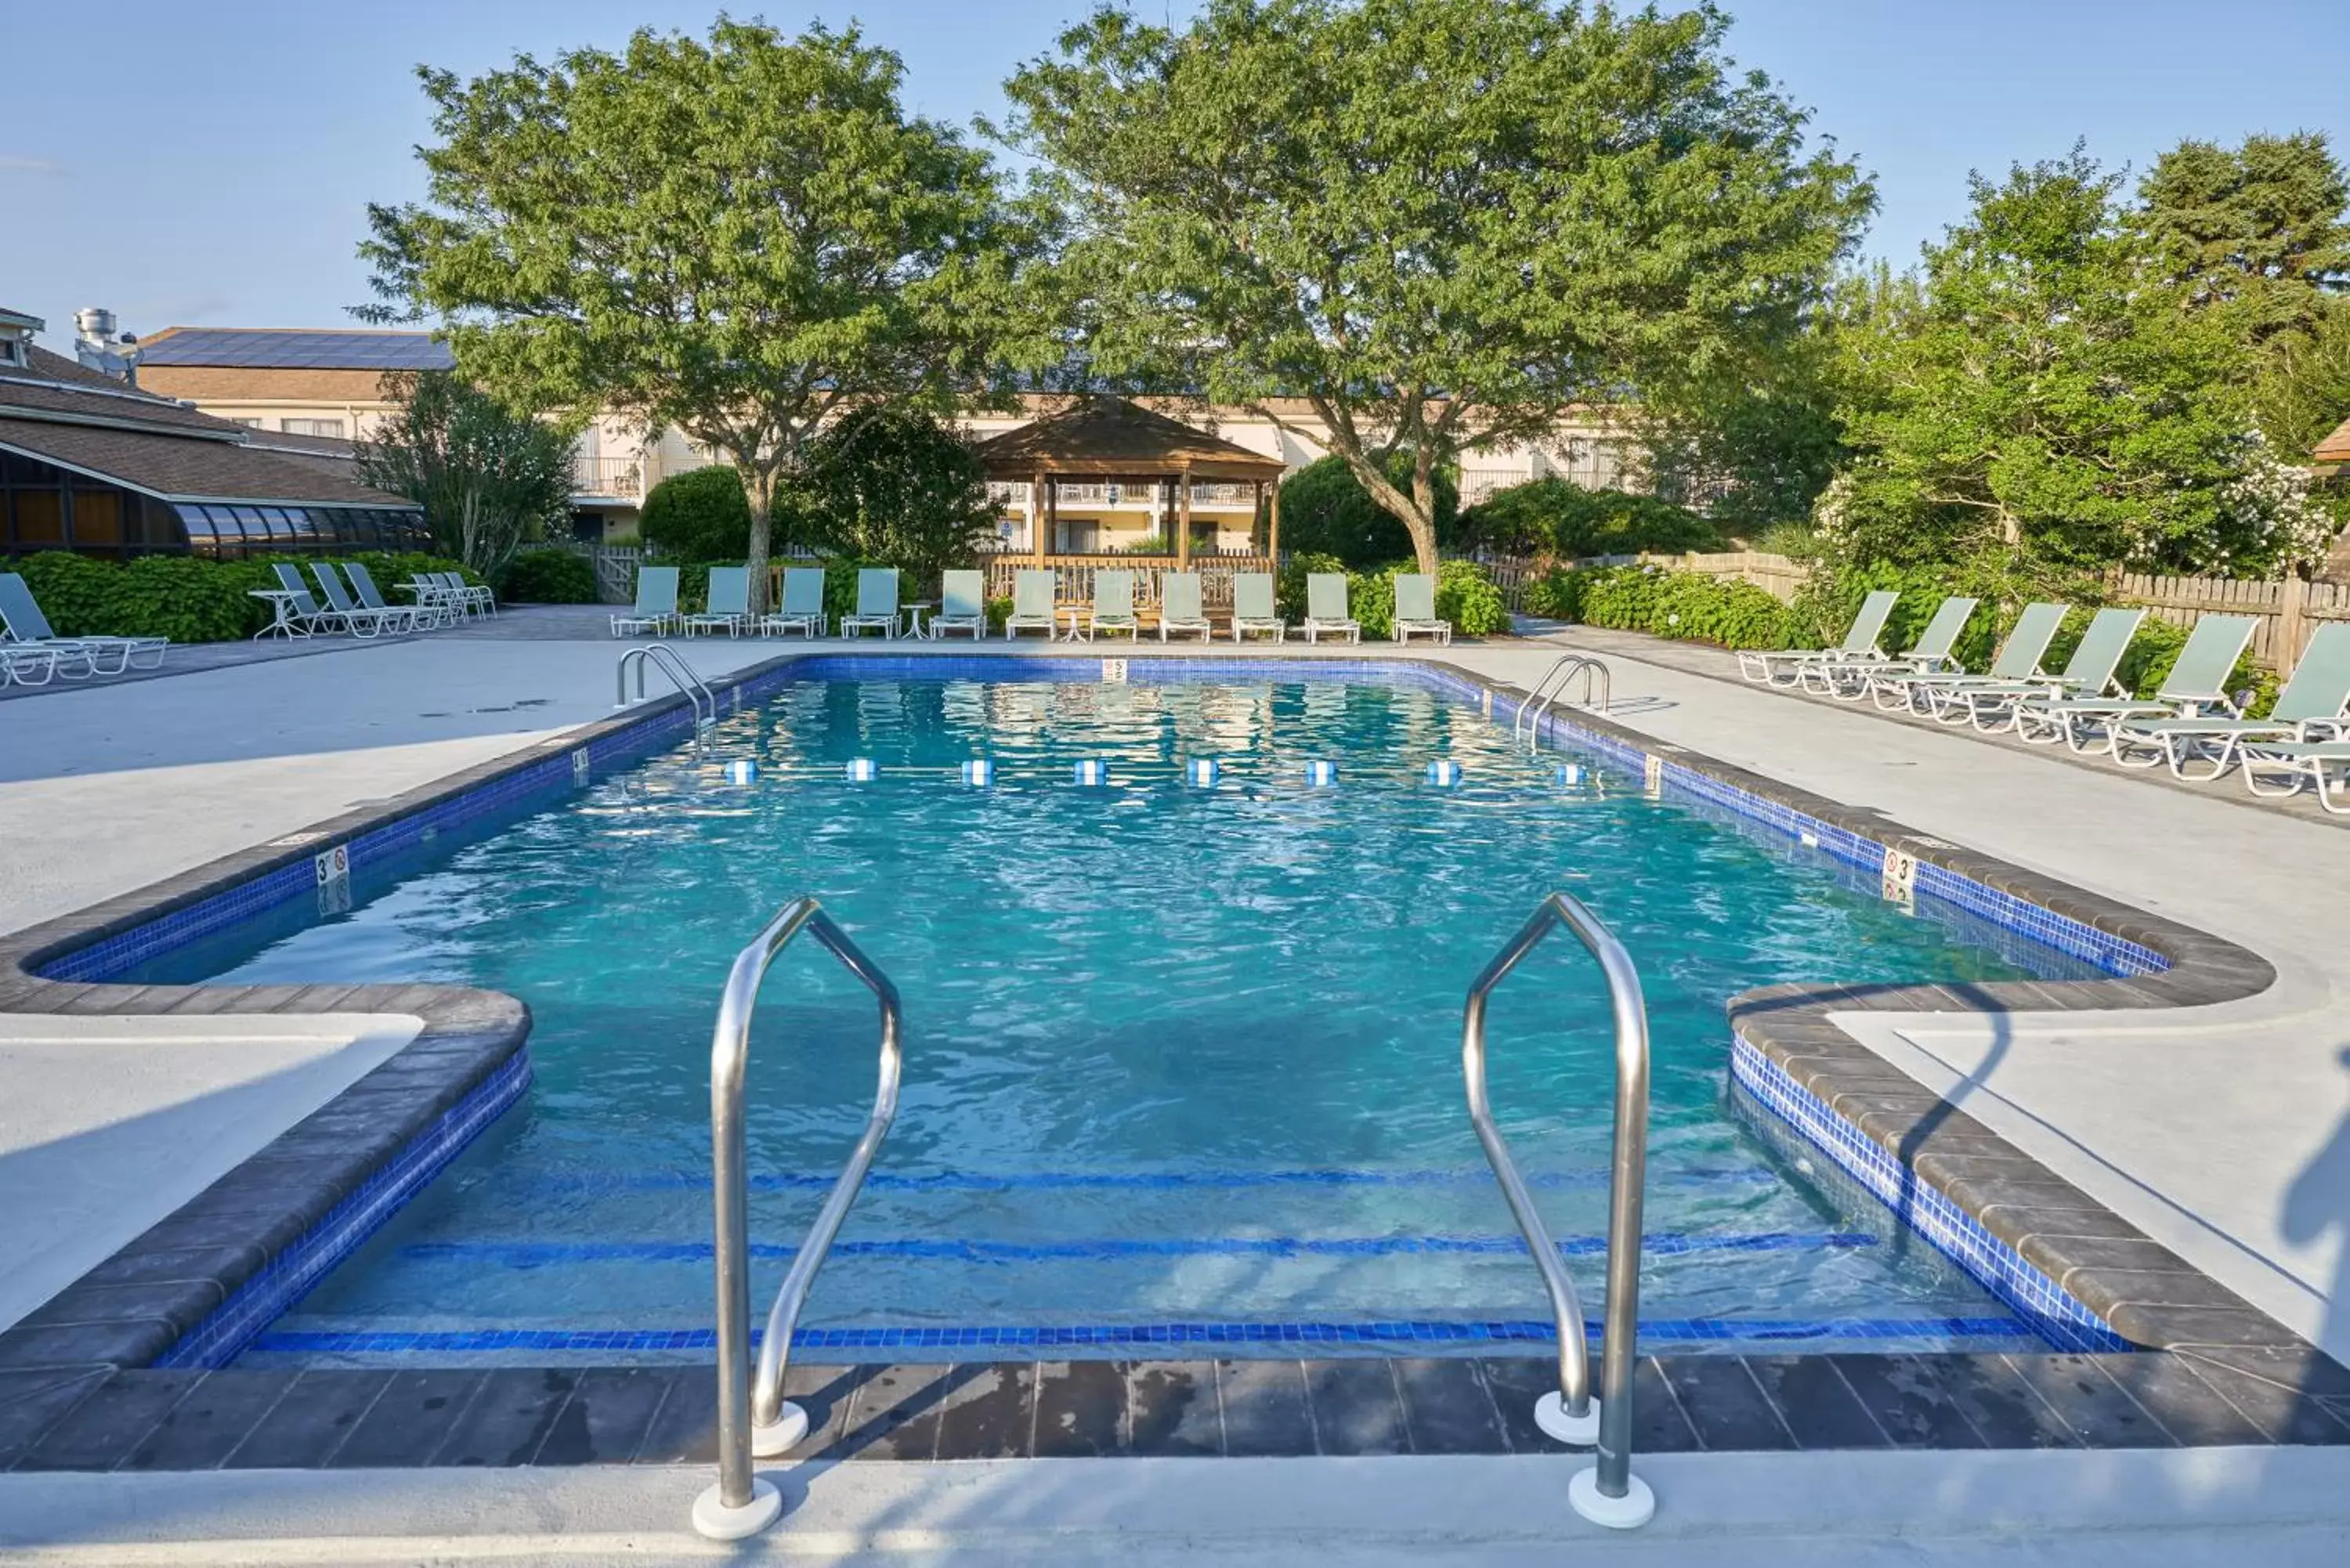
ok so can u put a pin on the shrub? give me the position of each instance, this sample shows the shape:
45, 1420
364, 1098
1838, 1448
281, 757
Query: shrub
188, 598
1554, 516
1325, 511
895, 484
548, 577
1467, 598
699, 516
1684, 605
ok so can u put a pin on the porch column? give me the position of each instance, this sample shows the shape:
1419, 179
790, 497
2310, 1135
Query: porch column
1183, 527
1039, 515
1272, 527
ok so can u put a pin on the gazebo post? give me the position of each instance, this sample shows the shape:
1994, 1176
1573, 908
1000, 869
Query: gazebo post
1272, 527
1040, 505
1183, 526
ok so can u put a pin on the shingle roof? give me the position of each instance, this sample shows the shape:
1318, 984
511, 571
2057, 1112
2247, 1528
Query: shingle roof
55, 384
2334, 448
296, 348
171, 465
1100, 434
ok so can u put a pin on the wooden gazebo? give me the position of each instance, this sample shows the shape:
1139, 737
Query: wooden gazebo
1105, 440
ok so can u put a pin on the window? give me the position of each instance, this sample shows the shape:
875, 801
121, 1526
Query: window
312, 426
251, 424
12, 351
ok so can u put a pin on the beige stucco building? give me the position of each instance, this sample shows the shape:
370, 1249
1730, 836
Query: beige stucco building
330, 383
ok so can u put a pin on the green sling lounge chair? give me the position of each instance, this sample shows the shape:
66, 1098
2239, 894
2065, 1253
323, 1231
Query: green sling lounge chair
1415, 610
2195, 686
876, 603
1252, 607
1992, 706
1852, 679
1178, 607
727, 605
963, 605
1326, 608
1933, 694
1113, 608
1785, 667
303, 607
802, 606
656, 605
1032, 604
26, 631
2313, 709
355, 614
371, 597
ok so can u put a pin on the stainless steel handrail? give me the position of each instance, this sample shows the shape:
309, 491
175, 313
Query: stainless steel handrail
752, 1415
1609, 1493
664, 657
1552, 686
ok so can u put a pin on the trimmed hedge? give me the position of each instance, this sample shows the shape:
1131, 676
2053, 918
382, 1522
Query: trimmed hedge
548, 577
188, 598
1465, 595
700, 515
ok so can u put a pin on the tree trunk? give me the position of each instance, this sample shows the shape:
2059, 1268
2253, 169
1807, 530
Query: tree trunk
759, 490
1416, 512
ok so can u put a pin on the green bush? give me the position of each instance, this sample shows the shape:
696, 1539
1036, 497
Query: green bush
1557, 518
548, 577
699, 516
1688, 606
188, 598
1325, 511
1467, 598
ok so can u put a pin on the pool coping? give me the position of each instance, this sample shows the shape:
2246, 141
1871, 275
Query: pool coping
325, 1182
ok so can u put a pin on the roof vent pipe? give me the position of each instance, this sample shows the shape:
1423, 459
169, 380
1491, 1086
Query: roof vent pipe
98, 347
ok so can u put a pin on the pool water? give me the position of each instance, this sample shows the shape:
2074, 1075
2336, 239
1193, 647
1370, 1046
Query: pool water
1180, 1062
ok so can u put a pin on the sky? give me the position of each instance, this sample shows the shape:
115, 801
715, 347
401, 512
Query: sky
211, 165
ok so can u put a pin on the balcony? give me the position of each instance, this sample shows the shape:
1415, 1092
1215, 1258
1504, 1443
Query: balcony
1012, 497
612, 478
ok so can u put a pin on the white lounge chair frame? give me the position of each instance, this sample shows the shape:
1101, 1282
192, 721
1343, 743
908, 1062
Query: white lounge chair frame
1415, 610
2197, 686
1785, 667
1113, 606
876, 603
1254, 608
2313, 711
1325, 613
1033, 589
26, 630
963, 605
726, 603
655, 610
1178, 607
802, 606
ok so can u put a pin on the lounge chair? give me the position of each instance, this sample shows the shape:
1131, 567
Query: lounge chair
1252, 607
1932, 692
726, 606
1415, 610
472, 596
1178, 607
355, 614
304, 608
1786, 667
876, 603
2299, 763
802, 606
2195, 686
2313, 709
655, 608
1993, 706
1113, 607
1032, 604
370, 597
1851, 680
21, 663
963, 605
1326, 608
33, 644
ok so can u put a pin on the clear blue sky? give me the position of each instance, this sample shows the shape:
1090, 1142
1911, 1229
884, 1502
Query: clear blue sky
198, 163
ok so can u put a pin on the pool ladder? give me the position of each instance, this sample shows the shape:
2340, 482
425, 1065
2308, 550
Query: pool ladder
754, 1416
1552, 686
664, 657
1608, 1493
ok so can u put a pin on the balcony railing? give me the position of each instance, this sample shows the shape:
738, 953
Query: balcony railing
623, 476
1012, 495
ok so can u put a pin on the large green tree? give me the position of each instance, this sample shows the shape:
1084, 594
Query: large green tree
1438, 222
895, 484
488, 477
731, 237
2257, 228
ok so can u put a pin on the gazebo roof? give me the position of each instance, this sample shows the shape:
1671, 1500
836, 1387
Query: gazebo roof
1108, 436
2334, 448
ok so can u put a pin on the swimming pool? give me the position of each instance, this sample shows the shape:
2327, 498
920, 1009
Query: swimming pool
1183, 1061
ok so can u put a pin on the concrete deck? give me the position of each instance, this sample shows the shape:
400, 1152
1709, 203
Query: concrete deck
2223, 1131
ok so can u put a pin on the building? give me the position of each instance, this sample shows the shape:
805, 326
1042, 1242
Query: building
330, 383
95, 465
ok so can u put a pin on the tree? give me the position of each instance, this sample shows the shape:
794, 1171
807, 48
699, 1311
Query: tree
698, 516
1554, 516
487, 477
895, 484
733, 237
1324, 510
1751, 444
1440, 223
2258, 227
2038, 387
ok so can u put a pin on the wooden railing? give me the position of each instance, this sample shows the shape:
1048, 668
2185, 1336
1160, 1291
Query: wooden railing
1074, 575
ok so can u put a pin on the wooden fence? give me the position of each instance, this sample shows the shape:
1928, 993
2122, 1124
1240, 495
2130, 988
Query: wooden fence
2287, 611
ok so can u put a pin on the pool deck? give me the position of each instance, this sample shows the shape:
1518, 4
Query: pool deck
2223, 1131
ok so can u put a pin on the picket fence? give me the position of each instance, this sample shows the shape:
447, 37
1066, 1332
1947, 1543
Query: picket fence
2287, 612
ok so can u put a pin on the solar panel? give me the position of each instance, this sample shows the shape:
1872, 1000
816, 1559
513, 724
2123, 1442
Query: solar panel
296, 349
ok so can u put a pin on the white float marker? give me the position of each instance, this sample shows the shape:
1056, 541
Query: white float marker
979, 773
1092, 771
1444, 772
862, 769
1202, 773
742, 772
1321, 773
1570, 775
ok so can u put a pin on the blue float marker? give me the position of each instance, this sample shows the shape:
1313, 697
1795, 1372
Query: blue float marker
1203, 771
862, 769
742, 771
1092, 771
1444, 772
1321, 775
1570, 777
979, 773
